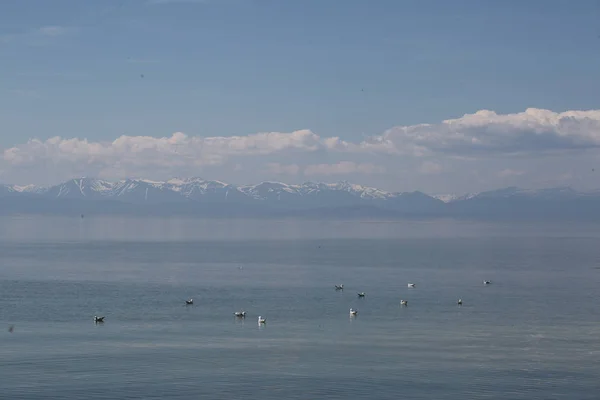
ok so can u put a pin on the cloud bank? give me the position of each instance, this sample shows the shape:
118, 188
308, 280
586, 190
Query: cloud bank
473, 142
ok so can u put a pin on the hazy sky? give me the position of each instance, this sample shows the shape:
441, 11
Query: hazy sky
439, 96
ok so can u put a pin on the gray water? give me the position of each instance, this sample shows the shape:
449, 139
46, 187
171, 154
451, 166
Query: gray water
534, 333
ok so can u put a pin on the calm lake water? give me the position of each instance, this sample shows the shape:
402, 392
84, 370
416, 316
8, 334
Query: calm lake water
534, 333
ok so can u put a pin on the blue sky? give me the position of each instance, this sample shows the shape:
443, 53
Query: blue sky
350, 69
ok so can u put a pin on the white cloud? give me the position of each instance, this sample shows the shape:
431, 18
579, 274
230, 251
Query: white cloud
52, 30
505, 173
484, 142
343, 168
283, 169
430, 168
485, 132
565, 176
140, 155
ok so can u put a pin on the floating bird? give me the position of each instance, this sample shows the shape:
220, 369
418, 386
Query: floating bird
261, 320
339, 287
411, 285
353, 312
487, 282
98, 319
240, 314
403, 302
459, 302
190, 301
11, 328
361, 294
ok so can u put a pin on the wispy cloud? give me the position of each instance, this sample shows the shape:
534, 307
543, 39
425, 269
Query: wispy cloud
430, 168
38, 36
343, 168
282, 169
132, 60
505, 173
53, 30
164, 2
177, 1
565, 176
51, 75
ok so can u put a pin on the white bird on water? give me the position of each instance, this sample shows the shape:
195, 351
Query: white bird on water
261, 320
411, 285
353, 312
403, 302
459, 302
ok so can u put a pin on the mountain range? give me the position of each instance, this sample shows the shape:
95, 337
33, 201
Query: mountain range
199, 197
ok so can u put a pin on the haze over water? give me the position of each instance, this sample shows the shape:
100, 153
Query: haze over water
534, 333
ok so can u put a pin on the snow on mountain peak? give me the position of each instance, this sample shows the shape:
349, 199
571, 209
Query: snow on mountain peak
25, 188
148, 181
359, 190
185, 181
449, 198
195, 188
446, 198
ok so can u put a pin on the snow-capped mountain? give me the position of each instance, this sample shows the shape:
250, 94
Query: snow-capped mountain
77, 188
449, 198
550, 193
133, 190
266, 198
198, 189
515, 192
15, 189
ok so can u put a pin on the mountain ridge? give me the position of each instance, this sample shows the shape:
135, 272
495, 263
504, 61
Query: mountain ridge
197, 196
